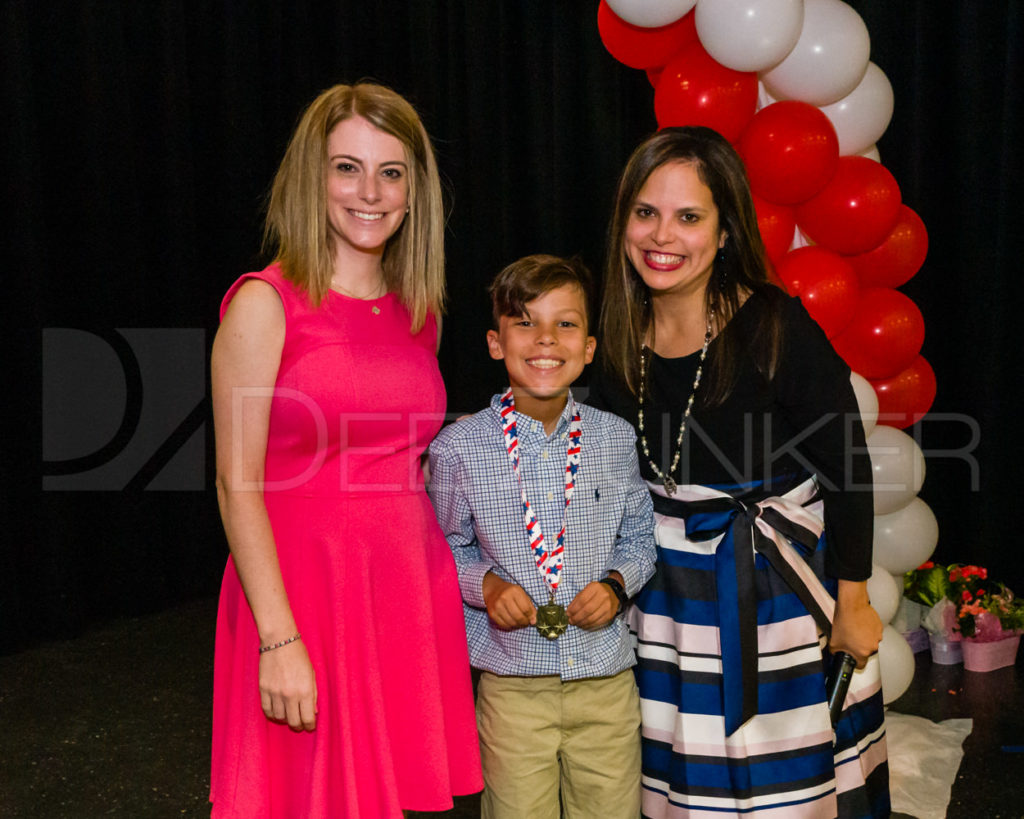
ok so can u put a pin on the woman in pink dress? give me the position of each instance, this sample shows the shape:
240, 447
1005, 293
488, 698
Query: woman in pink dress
341, 676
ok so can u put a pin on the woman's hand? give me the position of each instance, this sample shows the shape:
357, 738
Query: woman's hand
508, 605
288, 686
856, 627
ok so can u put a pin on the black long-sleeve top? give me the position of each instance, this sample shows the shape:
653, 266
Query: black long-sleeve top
804, 418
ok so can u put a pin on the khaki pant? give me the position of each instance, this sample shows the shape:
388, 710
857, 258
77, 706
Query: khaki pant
539, 734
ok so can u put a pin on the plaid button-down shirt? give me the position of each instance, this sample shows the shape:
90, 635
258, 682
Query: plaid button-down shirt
610, 526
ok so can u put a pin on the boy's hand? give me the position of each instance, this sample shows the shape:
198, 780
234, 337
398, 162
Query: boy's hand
595, 606
508, 605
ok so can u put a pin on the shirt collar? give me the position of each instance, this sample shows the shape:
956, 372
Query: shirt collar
536, 428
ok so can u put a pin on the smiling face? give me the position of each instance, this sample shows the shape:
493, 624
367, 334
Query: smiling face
544, 350
673, 232
367, 186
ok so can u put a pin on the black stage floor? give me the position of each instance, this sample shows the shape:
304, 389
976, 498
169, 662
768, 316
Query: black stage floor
117, 723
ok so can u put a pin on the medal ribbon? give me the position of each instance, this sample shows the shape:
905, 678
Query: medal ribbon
549, 563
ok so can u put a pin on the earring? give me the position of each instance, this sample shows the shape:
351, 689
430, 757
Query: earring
407, 208
720, 269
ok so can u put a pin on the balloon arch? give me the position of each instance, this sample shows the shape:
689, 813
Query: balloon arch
790, 84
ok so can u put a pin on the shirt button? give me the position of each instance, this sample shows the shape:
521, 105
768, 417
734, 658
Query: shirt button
551, 495
569, 662
544, 454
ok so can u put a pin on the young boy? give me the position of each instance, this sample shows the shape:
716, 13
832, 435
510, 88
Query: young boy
552, 530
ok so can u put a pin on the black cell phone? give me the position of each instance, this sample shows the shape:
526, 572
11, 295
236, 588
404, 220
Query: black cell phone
838, 682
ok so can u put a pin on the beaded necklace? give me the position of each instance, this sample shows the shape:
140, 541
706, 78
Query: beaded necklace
666, 476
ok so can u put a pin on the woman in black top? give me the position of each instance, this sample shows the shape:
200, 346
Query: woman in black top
749, 434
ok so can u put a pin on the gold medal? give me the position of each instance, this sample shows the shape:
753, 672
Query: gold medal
552, 621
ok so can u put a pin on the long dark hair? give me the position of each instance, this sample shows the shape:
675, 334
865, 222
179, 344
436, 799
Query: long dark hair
739, 268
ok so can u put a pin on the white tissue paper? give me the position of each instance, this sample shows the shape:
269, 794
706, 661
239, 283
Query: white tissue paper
924, 757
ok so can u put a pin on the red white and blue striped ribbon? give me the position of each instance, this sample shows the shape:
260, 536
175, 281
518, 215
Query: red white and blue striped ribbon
549, 563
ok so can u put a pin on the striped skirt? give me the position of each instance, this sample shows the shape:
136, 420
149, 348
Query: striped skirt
735, 721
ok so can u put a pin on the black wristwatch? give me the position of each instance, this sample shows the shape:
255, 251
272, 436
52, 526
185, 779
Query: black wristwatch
620, 592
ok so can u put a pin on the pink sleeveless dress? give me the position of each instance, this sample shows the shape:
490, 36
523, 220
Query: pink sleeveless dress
369, 576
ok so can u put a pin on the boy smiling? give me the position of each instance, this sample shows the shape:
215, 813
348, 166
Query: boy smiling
552, 530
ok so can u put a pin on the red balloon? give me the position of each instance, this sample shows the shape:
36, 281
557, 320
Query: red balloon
773, 275
791, 150
898, 258
695, 90
855, 211
906, 397
884, 336
777, 224
825, 283
643, 47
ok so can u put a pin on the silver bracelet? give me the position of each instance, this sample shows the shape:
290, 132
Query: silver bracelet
265, 649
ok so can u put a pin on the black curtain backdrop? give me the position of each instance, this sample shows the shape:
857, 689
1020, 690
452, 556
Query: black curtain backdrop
139, 140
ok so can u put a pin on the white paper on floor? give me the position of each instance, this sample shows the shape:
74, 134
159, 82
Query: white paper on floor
924, 757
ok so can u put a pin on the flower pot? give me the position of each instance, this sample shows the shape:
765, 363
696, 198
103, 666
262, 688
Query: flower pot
917, 639
944, 650
991, 655
910, 615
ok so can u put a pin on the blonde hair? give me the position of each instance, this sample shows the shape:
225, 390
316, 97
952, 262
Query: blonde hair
296, 224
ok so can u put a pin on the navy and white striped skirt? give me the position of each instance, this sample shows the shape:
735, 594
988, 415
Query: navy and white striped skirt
735, 721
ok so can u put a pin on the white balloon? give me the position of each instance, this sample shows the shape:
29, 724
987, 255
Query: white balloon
867, 402
829, 59
799, 240
862, 116
884, 592
906, 538
897, 467
764, 99
896, 662
872, 153
651, 13
749, 35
